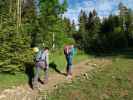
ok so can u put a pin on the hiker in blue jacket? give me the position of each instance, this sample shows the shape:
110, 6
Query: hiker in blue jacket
41, 62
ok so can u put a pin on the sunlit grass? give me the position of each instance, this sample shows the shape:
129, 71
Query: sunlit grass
113, 82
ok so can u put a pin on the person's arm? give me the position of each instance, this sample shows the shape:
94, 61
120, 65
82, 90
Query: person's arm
47, 60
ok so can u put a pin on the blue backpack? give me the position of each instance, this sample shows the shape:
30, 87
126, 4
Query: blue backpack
73, 51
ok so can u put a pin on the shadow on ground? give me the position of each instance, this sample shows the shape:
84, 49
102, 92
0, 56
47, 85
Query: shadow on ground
29, 70
53, 66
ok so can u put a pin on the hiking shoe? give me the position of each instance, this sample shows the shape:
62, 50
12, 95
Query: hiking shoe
35, 85
69, 77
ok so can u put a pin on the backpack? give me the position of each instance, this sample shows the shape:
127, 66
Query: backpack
67, 50
39, 55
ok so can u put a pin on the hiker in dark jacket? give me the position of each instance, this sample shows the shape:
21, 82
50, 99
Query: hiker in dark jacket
41, 62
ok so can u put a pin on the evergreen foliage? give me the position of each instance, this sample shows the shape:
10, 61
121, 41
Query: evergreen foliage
25, 24
108, 34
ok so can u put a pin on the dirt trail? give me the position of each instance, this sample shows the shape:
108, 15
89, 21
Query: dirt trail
26, 93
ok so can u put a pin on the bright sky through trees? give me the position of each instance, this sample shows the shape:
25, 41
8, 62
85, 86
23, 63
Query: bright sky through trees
103, 7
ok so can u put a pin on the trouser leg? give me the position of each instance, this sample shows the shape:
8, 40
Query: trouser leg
70, 70
67, 69
35, 81
70, 66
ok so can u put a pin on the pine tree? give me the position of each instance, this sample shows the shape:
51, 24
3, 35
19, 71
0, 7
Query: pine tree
91, 30
50, 19
82, 29
14, 42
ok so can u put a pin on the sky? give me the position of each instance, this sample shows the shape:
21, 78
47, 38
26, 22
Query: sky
103, 7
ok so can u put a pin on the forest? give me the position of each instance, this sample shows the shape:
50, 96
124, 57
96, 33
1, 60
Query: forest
25, 24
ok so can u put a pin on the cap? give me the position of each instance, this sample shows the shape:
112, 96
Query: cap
35, 49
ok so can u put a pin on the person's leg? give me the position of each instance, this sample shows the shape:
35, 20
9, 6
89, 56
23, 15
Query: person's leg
45, 68
37, 70
67, 67
70, 66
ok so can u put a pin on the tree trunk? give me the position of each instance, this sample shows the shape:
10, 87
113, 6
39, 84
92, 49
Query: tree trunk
18, 15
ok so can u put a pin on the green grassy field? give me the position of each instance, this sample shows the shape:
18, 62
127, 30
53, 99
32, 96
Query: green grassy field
8, 81
59, 59
113, 82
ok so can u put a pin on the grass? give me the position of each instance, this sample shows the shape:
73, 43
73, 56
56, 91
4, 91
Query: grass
8, 81
59, 59
113, 82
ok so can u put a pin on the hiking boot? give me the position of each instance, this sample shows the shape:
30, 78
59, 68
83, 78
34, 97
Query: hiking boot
35, 85
69, 77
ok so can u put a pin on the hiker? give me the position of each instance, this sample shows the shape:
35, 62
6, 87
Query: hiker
69, 52
41, 62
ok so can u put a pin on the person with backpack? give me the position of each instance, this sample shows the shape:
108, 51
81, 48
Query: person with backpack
69, 52
41, 62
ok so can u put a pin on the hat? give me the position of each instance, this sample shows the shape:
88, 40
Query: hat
35, 49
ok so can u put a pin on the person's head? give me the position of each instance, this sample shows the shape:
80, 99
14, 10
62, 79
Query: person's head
46, 49
72, 46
